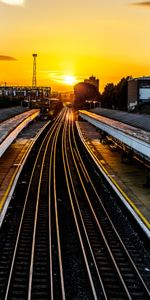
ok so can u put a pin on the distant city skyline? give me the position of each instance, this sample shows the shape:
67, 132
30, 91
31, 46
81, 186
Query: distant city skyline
73, 39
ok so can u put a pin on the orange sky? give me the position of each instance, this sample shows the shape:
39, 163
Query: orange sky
108, 39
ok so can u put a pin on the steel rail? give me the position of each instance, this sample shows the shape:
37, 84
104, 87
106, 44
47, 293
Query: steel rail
50, 229
56, 132
68, 174
56, 211
99, 226
36, 213
86, 234
21, 221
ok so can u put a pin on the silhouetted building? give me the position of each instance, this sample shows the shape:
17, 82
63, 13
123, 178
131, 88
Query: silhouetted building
92, 80
25, 92
138, 91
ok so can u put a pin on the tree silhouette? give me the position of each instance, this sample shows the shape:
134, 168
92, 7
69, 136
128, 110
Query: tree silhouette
108, 96
84, 91
115, 96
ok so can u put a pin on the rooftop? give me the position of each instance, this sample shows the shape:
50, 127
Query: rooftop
140, 78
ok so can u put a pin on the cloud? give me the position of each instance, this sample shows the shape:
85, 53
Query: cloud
144, 3
7, 58
14, 2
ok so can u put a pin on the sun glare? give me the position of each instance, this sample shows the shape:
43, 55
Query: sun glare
69, 79
13, 2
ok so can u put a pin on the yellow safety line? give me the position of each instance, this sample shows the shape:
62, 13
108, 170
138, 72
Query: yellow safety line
2, 201
125, 196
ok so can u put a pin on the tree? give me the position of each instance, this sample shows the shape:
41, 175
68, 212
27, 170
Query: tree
84, 91
115, 96
108, 96
121, 94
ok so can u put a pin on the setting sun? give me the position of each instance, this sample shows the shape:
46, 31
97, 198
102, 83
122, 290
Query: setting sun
69, 79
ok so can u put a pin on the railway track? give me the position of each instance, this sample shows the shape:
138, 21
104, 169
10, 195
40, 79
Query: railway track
58, 240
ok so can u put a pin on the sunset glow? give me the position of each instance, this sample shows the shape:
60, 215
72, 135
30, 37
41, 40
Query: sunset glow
108, 39
69, 80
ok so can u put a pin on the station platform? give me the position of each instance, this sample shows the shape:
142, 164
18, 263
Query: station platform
12, 162
127, 179
10, 128
7, 113
132, 137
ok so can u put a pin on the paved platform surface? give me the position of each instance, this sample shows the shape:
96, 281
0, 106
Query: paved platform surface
6, 113
135, 120
11, 123
13, 158
130, 178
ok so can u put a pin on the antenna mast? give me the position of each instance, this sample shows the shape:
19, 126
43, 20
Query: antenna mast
34, 70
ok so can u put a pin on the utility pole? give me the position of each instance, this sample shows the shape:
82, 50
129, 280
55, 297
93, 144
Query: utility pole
34, 70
